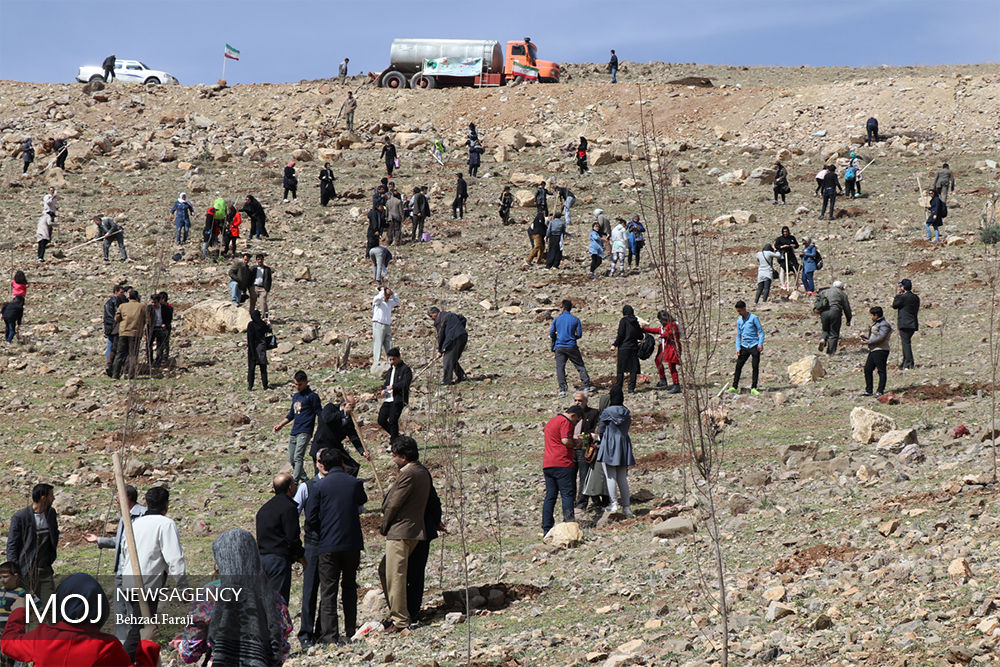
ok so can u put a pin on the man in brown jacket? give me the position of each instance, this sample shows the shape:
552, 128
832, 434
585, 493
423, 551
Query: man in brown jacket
403, 527
131, 317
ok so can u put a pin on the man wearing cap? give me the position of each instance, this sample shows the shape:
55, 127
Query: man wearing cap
907, 304
261, 286
838, 306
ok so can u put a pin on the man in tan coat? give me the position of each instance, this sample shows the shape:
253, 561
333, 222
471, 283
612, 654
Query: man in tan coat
131, 317
403, 527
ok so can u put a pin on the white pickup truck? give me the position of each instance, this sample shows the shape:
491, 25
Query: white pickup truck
127, 71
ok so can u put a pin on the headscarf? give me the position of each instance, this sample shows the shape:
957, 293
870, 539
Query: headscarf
182, 197
245, 633
598, 211
615, 395
76, 611
627, 311
292, 163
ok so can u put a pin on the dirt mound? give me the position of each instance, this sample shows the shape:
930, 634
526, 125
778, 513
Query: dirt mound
803, 559
699, 81
662, 460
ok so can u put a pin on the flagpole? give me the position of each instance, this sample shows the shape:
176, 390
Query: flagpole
224, 66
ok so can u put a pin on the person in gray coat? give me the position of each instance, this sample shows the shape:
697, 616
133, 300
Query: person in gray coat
878, 350
615, 451
908, 305
837, 306
112, 232
765, 271
944, 181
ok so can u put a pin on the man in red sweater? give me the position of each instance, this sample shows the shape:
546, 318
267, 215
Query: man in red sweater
558, 466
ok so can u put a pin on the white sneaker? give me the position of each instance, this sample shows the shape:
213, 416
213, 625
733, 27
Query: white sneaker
286, 201
612, 509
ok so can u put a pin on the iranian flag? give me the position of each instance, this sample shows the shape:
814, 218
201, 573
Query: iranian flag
232, 53
527, 71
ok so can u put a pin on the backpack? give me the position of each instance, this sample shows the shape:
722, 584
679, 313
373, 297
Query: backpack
942, 210
821, 303
647, 347
819, 261
849, 174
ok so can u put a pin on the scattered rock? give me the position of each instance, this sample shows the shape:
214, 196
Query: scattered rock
868, 426
805, 370
564, 535
675, 527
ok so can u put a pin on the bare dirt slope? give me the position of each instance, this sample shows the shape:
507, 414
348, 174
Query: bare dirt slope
856, 543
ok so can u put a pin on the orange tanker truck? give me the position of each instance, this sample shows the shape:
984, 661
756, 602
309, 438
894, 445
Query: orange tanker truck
435, 63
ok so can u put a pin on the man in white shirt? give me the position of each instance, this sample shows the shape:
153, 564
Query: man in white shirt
158, 546
118, 544
382, 304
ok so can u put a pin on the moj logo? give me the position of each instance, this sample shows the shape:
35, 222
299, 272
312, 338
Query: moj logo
73, 608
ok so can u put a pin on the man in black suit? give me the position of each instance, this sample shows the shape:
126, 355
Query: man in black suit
332, 426
452, 339
907, 304
395, 394
278, 535
33, 540
332, 512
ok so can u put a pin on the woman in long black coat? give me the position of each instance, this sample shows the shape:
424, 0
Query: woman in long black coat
326, 189
257, 332
627, 341
389, 155
291, 182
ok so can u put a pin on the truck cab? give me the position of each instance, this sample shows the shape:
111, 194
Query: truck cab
526, 53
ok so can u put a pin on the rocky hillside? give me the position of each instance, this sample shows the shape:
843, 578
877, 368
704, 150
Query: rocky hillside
850, 537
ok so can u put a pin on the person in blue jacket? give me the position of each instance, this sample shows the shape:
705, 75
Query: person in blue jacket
596, 249
182, 211
810, 263
564, 332
636, 239
749, 344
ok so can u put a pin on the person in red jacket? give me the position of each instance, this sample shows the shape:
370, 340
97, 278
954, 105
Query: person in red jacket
670, 347
73, 640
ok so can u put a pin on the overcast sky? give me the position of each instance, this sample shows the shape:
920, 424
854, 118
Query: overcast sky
289, 40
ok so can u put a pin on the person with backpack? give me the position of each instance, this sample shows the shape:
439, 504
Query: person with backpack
11, 313
872, 127
780, 183
749, 345
581, 156
669, 353
629, 337
812, 261
878, 351
832, 304
636, 240
908, 305
938, 212
765, 271
831, 186
850, 174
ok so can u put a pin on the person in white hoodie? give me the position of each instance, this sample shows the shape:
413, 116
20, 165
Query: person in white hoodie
619, 245
765, 271
382, 304
158, 546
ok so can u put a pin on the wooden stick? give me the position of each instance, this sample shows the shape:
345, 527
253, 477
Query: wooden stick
381, 489
133, 553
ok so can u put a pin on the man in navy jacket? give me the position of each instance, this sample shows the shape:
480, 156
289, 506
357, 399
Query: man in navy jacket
332, 511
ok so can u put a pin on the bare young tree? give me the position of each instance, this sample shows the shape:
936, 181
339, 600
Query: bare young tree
993, 281
687, 272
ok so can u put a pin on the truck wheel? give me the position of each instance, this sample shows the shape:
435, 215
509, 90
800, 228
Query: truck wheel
152, 81
547, 79
422, 82
394, 80
97, 77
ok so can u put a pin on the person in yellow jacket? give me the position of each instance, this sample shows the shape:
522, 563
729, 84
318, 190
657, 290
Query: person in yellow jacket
131, 317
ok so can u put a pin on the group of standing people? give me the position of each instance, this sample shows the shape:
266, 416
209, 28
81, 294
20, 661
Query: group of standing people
127, 321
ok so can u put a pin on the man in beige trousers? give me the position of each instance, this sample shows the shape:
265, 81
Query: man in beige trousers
403, 526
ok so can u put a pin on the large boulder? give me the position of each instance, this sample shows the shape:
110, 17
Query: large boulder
511, 138
733, 177
329, 154
411, 140
600, 157
895, 440
805, 370
501, 154
215, 316
868, 426
524, 198
460, 283
564, 535
675, 527
761, 176
521, 178
302, 155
